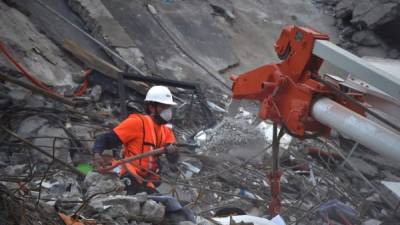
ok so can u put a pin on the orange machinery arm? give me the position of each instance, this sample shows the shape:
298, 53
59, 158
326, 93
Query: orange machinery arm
286, 89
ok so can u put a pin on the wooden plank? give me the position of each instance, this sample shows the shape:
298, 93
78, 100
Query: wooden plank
100, 65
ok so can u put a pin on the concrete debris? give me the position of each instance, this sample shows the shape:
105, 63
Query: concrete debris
372, 222
95, 93
392, 191
366, 38
153, 211
366, 168
104, 27
374, 13
186, 223
185, 41
97, 183
21, 38
367, 24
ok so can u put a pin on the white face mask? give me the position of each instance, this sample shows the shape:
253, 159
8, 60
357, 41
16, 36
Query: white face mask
166, 114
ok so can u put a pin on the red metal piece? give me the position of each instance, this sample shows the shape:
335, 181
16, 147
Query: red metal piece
8, 55
274, 206
81, 90
286, 89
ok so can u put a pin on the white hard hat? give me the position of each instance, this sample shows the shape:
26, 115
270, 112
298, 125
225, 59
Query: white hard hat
159, 94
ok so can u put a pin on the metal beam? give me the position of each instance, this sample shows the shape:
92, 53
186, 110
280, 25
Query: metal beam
361, 129
358, 67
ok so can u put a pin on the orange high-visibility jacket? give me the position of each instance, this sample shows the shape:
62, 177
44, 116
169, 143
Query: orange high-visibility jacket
140, 134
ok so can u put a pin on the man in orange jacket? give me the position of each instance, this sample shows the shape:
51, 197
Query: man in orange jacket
141, 133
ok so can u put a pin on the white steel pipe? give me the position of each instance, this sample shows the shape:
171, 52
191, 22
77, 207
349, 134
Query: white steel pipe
362, 130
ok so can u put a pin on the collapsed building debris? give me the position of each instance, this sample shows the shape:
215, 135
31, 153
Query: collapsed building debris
46, 138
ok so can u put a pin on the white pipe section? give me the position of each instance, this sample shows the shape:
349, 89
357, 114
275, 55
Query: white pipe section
359, 128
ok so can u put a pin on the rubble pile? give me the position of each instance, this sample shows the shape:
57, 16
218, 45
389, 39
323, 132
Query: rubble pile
47, 136
367, 27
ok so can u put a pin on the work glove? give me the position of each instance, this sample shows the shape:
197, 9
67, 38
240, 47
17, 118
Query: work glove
98, 161
171, 153
171, 149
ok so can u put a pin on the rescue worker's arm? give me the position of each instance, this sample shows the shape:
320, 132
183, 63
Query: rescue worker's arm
106, 141
102, 142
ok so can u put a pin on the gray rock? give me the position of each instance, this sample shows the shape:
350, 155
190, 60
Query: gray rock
202, 221
133, 56
95, 93
344, 8
186, 223
102, 183
372, 222
78, 77
19, 158
30, 125
107, 220
16, 170
153, 211
131, 203
366, 38
103, 26
348, 31
63, 186
116, 211
37, 53
61, 146
122, 221
364, 167
373, 13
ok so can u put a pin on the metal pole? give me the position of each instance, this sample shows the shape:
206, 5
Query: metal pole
275, 148
275, 175
359, 128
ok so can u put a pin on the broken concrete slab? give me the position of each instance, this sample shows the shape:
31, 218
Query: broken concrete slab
105, 28
163, 54
365, 168
33, 50
102, 183
392, 189
374, 13
153, 211
372, 222
63, 186
131, 204
55, 28
30, 125
60, 146
366, 38
202, 38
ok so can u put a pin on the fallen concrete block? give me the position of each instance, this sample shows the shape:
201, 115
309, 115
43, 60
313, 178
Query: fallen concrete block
372, 222
153, 211
392, 192
111, 204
